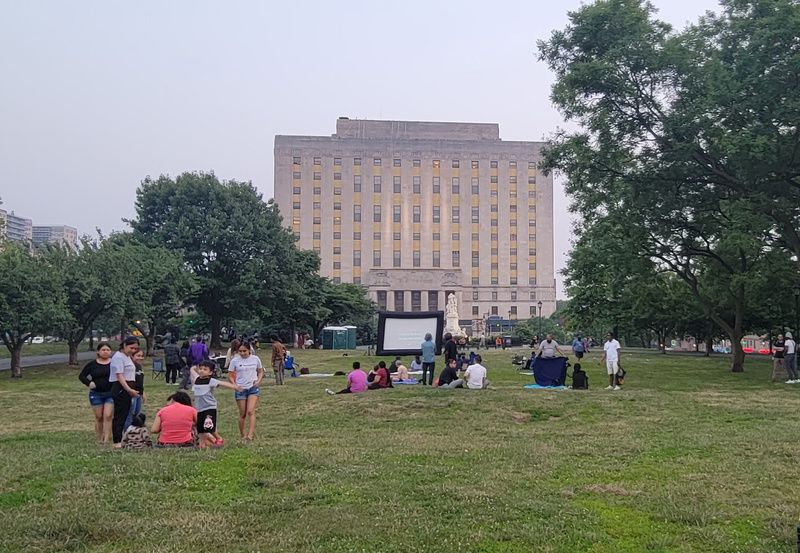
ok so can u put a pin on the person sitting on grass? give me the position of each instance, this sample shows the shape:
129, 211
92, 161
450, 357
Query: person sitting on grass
356, 382
175, 422
416, 364
380, 378
136, 436
448, 378
203, 389
395, 365
475, 377
401, 374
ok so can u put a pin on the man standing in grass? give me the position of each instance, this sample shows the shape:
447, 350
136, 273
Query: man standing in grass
611, 356
790, 359
428, 359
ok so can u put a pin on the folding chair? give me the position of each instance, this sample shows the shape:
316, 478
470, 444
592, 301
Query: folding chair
158, 367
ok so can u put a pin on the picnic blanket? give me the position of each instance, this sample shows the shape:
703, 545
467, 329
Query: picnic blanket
316, 375
537, 387
550, 371
407, 381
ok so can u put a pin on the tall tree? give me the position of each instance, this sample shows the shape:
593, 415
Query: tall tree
230, 239
32, 300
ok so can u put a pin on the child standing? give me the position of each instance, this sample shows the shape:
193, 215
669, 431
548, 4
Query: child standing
136, 436
203, 385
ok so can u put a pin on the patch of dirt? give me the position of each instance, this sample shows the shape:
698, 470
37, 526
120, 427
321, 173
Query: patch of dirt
521, 418
611, 489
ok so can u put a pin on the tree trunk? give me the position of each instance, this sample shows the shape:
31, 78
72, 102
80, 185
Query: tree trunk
150, 338
709, 345
73, 351
737, 365
662, 342
91, 340
16, 360
216, 331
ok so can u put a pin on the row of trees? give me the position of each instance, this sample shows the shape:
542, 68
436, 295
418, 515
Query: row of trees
684, 169
195, 241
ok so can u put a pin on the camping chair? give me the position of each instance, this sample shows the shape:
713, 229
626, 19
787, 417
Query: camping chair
158, 367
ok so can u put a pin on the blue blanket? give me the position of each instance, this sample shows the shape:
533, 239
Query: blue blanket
407, 381
537, 387
550, 372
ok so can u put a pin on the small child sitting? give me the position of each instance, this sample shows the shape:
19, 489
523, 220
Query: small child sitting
136, 436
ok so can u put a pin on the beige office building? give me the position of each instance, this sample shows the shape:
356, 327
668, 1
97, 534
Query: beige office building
416, 210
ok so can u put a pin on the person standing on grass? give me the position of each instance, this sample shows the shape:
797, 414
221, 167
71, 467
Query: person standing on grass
278, 354
428, 359
548, 348
778, 365
610, 355
247, 372
790, 359
577, 347
203, 385
450, 348
172, 359
136, 403
356, 382
175, 422
123, 378
475, 377
95, 376
186, 362
198, 351
232, 352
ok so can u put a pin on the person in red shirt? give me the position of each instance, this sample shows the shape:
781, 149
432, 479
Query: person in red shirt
380, 377
175, 422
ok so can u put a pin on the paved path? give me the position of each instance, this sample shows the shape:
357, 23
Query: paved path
36, 360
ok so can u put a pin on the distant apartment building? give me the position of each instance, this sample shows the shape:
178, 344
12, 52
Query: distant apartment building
55, 234
417, 210
15, 228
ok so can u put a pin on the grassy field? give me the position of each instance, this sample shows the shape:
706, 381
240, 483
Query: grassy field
39, 349
687, 458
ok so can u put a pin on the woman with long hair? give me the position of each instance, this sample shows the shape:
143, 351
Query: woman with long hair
95, 376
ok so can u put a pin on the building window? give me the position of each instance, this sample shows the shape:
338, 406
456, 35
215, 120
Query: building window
456, 187
416, 214
531, 180
357, 235
456, 214
512, 251
493, 164
337, 206
476, 215
416, 163
436, 236
495, 281
512, 164
295, 205
494, 237
416, 258
356, 161
296, 190
317, 250
317, 176
433, 300
416, 300
376, 183
494, 310
532, 222
513, 295
531, 194
531, 165
396, 162
475, 164
317, 220
337, 161
317, 161
436, 185
513, 223
436, 163
493, 208
436, 258
376, 236
376, 258
475, 311
456, 258
296, 160
356, 183
396, 214
513, 313
532, 207
532, 266
436, 214
376, 213
337, 264
494, 296
455, 237
417, 182
357, 213
337, 220
296, 175
396, 184
337, 191
455, 164
532, 251
317, 235
337, 176
474, 295
396, 258
382, 300
416, 236
494, 251
494, 222
476, 259
494, 266
512, 193
475, 185
396, 236
512, 179
531, 238
476, 237
493, 179
376, 162
513, 208
399, 300
356, 258
317, 205
513, 281
337, 235
513, 239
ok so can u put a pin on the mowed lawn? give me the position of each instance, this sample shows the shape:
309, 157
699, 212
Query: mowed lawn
689, 457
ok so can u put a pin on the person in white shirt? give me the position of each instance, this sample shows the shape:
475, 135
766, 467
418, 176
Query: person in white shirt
475, 376
246, 372
611, 357
790, 358
416, 364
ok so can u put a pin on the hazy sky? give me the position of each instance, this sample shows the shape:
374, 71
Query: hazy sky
98, 94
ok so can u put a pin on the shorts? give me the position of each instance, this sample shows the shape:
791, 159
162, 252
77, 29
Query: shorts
612, 366
579, 354
207, 421
97, 399
244, 394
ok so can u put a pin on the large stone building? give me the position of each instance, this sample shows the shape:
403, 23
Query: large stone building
55, 234
16, 228
416, 210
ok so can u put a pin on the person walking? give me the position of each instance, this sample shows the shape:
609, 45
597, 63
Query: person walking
186, 363
610, 355
790, 358
278, 355
123, 378
198, 351
95, 376
428, 359
577, 347
246, 372
172, 359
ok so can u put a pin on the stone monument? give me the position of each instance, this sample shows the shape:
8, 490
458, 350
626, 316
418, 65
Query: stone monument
451, 317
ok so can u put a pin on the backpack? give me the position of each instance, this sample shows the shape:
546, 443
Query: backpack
620, 375
579, 379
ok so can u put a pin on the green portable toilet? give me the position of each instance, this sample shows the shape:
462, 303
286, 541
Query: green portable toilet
351, 336
334, 337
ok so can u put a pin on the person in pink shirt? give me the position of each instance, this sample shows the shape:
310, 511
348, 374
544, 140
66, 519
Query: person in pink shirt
175, 422
356, 381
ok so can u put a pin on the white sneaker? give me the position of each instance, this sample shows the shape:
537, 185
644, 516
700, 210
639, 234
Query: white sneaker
609, 387
789, 382
330, 392
617, 388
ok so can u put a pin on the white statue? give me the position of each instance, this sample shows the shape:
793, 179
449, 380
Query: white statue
451, 317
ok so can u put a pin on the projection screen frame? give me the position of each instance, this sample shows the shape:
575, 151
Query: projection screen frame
383, 315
